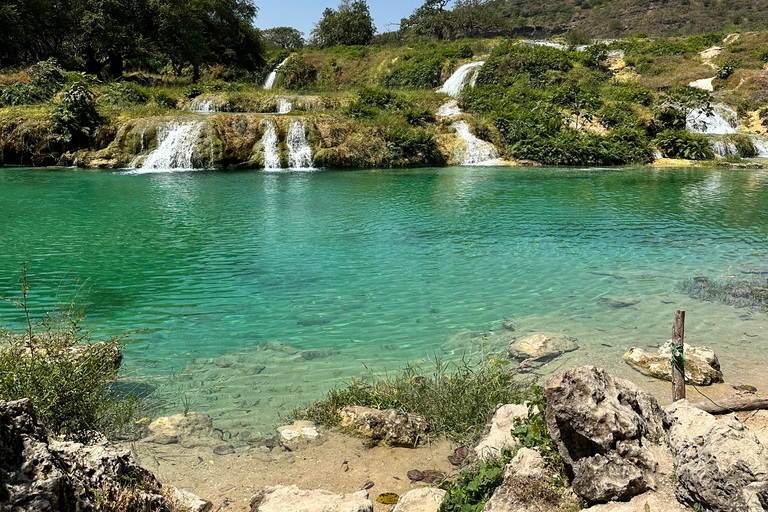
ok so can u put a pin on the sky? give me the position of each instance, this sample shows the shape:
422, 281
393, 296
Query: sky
303, 14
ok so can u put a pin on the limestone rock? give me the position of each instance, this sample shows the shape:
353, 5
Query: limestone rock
720, 464
662, 500
426, 499
498, 431
184, 501
298, 435
601, 426
388, 425
527, 487
534, 350
189, 430
281, 498
701, 364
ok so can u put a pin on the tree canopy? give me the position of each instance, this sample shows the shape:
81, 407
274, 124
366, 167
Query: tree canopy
351, 24
284, 37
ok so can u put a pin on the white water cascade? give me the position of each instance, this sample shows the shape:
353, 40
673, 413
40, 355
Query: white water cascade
465, 74
299, 152
474, 151
723, 121
271, 153
284, 106
203, 104
448, 109
176, 144
760, 146
273, 75
723, 148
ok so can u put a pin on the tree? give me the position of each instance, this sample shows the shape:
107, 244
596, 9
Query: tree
471, 17
679, 104
285, 37
430, 20
350, 25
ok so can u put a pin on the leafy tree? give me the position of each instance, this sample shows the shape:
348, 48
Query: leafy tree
431, 20
350, 25
472, 17
285, 37
678, 105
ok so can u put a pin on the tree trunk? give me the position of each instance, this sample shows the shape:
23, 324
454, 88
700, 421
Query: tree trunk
195, 73
116, 64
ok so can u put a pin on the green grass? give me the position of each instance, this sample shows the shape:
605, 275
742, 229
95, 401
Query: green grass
454, 398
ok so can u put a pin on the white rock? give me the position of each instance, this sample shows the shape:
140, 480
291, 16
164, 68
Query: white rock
281, 498
498, 431
185, 501
298, 435
426, 499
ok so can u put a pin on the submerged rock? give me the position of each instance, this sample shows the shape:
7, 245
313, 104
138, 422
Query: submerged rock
298, 435
280, 346
498, 431
389, 426
611, 301
601, 426
318, 353
701, 364
281, 498
535, 350
427, 499
720, 464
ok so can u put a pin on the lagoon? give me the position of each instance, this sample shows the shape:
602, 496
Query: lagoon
235, 276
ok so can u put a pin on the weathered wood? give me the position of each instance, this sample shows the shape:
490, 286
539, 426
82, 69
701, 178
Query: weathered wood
735, 403
678, 368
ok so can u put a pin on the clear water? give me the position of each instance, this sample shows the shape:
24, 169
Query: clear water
381, 266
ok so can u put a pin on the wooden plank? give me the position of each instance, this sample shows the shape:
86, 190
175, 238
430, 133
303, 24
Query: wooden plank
732, 404
678, 366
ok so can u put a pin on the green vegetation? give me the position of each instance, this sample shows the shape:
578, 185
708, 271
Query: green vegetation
69, 378
453, 398
350, 25
743, 293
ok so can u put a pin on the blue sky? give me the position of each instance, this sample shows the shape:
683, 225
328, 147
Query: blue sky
303, 14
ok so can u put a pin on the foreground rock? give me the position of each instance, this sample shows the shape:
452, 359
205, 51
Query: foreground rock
389, 426
602, 426
189, 430
701, 364
426, 499
537, 349
66, 476
527, 487
298, 435
720, 464
281, 498
498, 431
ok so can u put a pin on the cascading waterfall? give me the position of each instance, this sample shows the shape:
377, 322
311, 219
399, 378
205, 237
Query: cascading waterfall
271, 152
273, 75
760, 146
474, 151
203, 104
177, 142
723, 148
299, 152
284, 106
448, 109
457, 81
723, 121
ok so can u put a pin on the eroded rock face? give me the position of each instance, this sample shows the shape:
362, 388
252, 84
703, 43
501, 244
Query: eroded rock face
189, 430
388, 425
426, 499
701, 364
720, 464
281, 498
601, 426
534, 350
498, 431
298, 435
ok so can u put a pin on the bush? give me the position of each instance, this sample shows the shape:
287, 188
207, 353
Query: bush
46, 79
408, 145
744, 144
454, 399
508, 61
165, 100
68, 378
123, 94
296, 74
682, 144
423, 68
76, 118
17, 94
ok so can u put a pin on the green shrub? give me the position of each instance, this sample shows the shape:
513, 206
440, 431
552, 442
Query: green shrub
165, 100
408, 144
123, 94
675, 143
415, 72
629, 92
46, 79
508, 61
359, 110
296, 74
418, 116
616, 115
76, 119
17, 94
453, 398
67, 376
744, 144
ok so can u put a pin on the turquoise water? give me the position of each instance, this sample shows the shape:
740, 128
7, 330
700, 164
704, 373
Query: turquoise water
382, 266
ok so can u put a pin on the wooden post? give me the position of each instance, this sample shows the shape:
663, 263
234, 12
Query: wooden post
678, 368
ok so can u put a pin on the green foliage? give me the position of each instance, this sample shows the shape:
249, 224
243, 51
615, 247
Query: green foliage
165, 100
296, 74
76, 119
510, 61
284, 37
423, 68
727, 69
68, 377
123, 94
677, 105
16, 94
405, 144
453, 398
629, 92
351, 24
577, 37
682, 144
474, 487
46, 79
744, 144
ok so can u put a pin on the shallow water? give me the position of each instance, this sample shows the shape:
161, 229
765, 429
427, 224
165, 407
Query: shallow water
379, 266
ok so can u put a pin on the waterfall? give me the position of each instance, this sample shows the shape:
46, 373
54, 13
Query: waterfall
176, 143
203, 104
271, 153
273, 75
448, 109
474, 151
760, 146
723, 148
284, 106
457, 81
299, 152
723, 121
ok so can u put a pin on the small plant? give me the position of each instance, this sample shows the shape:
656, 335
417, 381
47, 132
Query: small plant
123, 94
76, 118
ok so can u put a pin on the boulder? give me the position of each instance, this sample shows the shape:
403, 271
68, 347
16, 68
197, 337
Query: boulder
281, 498
185, 501
426, 499
36, 475
535, 350
298, 435
498, 431
662, 500
720, 464
701, 365
189, 430
389, 426
602, 427
527, 487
